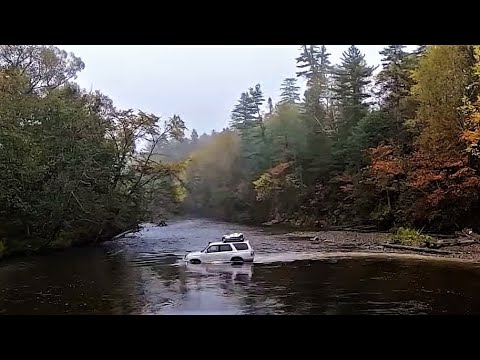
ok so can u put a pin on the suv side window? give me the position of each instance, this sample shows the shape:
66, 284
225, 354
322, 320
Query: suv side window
225, 247
241, 246
212, 249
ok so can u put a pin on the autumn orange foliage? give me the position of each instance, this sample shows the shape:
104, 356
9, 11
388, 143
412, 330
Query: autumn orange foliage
385, 161
444, 182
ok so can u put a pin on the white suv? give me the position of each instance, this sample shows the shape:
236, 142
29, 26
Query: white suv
238, 251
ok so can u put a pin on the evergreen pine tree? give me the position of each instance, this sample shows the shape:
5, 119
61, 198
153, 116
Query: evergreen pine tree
352, 77
290, 94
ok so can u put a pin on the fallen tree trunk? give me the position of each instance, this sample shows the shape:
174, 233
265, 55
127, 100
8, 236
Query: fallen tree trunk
451, 242
353, 228
121, 235
418, 249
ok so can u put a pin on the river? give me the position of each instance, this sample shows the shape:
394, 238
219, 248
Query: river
144, 274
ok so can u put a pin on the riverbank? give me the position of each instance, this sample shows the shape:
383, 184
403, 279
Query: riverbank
372, 242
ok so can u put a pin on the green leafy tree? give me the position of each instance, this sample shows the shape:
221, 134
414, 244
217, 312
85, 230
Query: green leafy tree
71, 166
44, 67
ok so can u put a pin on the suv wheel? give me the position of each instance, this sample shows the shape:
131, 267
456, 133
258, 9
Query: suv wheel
195, 261
237, 259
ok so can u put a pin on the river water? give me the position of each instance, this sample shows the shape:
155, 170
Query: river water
144, 274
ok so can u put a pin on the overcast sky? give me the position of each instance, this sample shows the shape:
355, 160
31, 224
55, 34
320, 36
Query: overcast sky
199, 83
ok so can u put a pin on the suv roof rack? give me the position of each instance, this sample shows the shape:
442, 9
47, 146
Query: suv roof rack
235, 237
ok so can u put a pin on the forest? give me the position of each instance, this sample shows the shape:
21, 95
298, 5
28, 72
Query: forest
389, 146
72, 166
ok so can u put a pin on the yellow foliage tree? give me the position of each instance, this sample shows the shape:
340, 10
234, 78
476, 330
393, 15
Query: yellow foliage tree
471, 109
442, 79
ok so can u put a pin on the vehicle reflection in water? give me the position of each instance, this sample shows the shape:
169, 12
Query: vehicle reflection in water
198, 289
237, 272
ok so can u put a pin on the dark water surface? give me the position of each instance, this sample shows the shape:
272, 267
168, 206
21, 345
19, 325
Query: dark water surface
144, 274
